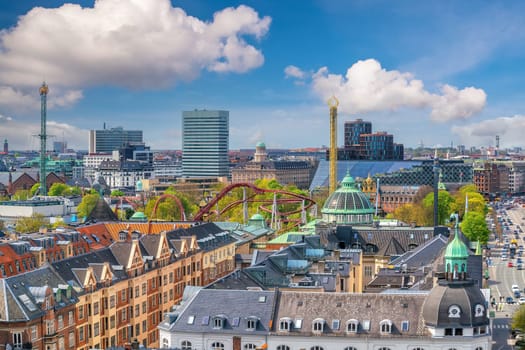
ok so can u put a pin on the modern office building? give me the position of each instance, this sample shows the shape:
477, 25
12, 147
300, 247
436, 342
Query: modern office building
205, 142
108, 140
361, 143
354, 129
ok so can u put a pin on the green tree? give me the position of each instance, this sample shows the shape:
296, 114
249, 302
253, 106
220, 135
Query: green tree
475, 228
22, 195
59, 189
34, 189
30, 224
168, 209
445, 201
87, 204
76, 191
518, 319
117, 193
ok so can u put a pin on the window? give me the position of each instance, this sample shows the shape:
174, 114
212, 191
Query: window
60, 321
34, 333
123, 295
250, 347
81, 334
251, 323
191, 319
316, 347
112, 301
385, 326
418, 348
405, 326
96, 328
95, 308
137, 291
352, 325
283, 347
218, 322
185, 345
335, 325
71, 318
383, 348
71, 339
479, 348
350, 348
80, 312
50, 327
284, 324
318, 325
143, 288
217, 346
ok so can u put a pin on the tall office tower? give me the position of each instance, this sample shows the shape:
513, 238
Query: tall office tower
205, 141
354, 129
109, 140
6, 147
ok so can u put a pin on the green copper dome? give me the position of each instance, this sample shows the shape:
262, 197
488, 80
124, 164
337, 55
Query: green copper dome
348, 205
138, 216
260, 144
456, 249
257, 217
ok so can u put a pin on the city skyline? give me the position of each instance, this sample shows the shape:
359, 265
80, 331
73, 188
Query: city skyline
440, 73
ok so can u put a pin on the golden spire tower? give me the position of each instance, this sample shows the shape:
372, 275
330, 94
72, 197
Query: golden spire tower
333, 103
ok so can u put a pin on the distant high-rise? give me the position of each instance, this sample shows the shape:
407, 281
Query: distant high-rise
6, 147
109, 140
354, 129
205, 143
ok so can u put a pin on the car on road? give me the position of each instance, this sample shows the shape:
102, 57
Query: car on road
509, 264
519, 266
509, 300
521, 300
503, 257
517, 294
519, 261
514, 288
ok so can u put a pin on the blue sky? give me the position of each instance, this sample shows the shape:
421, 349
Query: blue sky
436, 72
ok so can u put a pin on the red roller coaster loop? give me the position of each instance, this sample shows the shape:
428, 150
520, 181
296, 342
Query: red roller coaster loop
291, 198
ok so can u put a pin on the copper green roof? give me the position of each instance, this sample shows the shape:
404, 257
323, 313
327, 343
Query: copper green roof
260, 144
138, 216
257, 217
348, 199
456, 249
290, 237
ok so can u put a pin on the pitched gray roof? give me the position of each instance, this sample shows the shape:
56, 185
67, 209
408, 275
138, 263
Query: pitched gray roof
234, 308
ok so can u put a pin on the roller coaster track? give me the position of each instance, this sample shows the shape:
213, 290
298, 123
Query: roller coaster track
290, 198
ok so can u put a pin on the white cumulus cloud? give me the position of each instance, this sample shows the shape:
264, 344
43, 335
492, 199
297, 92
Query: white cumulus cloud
128, 43
294, 72
368, 87
510, 130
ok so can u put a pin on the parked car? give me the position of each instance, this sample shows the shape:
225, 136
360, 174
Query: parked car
521, 301
519, 266
514, 288
517, 294
509, 300
509, 264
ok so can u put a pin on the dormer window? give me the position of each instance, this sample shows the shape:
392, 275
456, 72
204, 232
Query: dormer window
251, 323
318, 325
352, 325
385, 326
219, 321
285, 324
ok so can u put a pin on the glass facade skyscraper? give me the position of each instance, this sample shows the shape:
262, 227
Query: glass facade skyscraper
109, 140
205, 143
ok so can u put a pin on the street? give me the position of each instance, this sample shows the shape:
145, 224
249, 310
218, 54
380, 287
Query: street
501, 280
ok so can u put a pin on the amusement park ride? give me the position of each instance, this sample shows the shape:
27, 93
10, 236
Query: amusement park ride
210, 209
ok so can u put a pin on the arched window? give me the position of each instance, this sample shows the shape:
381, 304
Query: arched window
384, 348
350, 348
250, 347
283, 347
185, 345
318, 325
352, 325
217, 346
285, 324
385, 326
418, 348
316, 347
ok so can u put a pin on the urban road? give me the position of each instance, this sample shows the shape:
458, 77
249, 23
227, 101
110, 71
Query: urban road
502, 277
